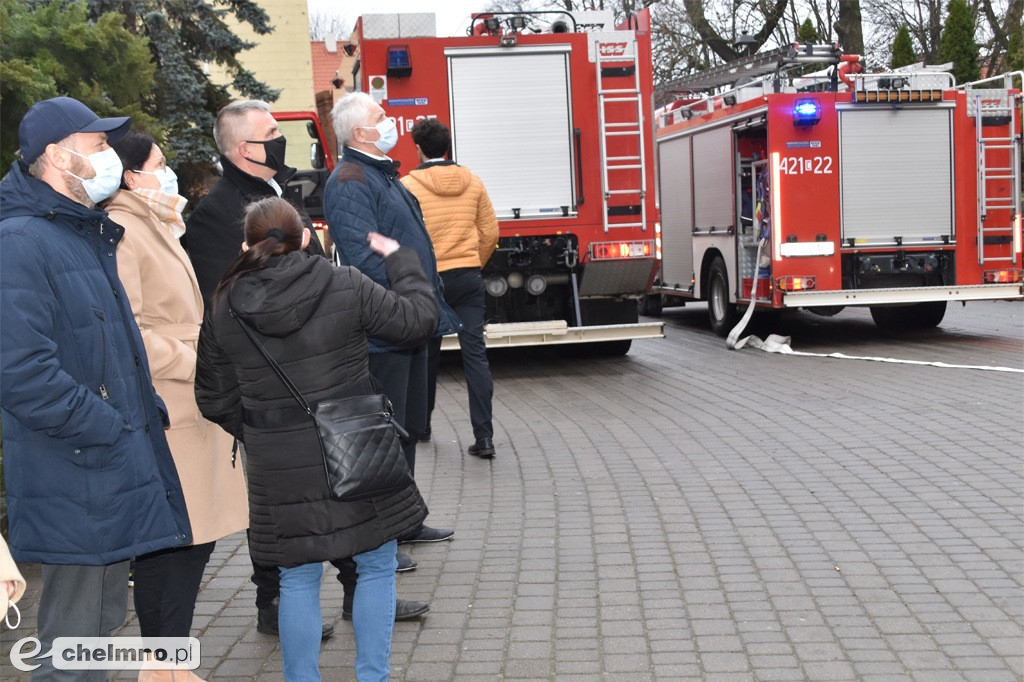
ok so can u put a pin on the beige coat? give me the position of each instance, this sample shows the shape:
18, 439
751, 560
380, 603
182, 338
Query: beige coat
458, 214
165, 298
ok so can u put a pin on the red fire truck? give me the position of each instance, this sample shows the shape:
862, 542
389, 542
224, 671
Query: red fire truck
553, 111
898, 191
312, 158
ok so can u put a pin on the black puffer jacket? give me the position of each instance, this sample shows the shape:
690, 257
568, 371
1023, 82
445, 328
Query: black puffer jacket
313, 319
214, 230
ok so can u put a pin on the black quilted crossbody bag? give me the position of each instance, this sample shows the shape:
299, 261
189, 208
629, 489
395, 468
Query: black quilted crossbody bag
359, 438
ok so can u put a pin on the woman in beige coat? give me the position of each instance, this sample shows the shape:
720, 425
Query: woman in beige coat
164, 296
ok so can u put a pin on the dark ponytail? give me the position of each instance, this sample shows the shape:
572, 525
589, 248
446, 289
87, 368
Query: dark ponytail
272, 227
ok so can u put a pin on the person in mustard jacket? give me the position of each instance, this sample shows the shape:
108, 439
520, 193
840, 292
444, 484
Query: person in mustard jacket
464, 231
164, 296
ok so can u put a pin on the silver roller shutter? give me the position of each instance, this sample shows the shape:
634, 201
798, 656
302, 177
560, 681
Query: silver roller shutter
511, 125
676, 194
896, 175
712, 179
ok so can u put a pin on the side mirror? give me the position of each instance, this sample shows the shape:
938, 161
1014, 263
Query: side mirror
316, 156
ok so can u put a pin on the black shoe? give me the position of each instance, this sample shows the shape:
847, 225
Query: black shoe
404, 609
405, 563
428, 534
425, 436
266, 621
483, 448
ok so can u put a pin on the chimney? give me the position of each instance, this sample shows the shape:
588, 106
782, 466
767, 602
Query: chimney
331, 43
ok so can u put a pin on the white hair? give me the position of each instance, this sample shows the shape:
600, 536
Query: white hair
349, 113
226, 131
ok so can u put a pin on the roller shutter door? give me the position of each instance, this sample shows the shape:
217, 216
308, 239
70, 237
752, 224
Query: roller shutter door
896, 175
712, 179
676, 193
511, 125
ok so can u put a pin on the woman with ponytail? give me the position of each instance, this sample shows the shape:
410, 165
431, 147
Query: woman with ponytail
165, 299
313, 318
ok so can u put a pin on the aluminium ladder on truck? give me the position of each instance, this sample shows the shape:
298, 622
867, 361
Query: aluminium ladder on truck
633, 164
997, 107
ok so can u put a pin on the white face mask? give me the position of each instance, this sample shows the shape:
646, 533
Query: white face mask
166, 177
388, 135
108, 168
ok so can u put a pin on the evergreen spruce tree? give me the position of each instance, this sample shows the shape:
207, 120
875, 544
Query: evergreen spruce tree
807, 33
53, 49
957, 43
1014, 60
183, 37
902, 49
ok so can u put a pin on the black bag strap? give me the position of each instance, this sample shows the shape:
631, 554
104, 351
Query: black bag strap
273, 364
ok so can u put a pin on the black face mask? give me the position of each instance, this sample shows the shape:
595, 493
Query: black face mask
274, 150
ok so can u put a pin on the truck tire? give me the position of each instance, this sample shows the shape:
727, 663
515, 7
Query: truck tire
610, 349
650, 305
600, 312
721, 312
918, 316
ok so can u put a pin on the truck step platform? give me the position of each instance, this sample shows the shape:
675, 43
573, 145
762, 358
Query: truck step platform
969, 292
554, 332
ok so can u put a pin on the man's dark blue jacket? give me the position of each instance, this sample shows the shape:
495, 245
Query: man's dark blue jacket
364, 195
90, 479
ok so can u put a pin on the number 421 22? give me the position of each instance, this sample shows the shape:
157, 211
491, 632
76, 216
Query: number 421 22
798, 165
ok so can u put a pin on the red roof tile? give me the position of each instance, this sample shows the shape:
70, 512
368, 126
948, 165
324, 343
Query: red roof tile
325, 64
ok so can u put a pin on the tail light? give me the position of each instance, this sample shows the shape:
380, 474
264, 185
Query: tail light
1007, 276
795, 283
619, 250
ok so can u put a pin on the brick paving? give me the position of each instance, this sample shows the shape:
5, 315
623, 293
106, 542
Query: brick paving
687, 512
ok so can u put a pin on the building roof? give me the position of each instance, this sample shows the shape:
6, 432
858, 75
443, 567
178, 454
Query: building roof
327, 61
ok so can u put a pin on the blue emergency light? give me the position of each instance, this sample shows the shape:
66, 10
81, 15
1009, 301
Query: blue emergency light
399, 61
806, 112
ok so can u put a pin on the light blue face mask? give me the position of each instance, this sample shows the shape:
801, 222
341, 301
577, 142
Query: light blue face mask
108, 168
388, 135
168, 180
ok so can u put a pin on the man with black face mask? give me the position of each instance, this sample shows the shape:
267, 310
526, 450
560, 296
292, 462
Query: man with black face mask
252, 156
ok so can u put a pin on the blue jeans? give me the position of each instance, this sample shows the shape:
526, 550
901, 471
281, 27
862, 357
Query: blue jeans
373, 615
373, 611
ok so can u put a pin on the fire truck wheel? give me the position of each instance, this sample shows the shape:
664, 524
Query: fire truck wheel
611, 349
598, 349
650, 305
721, 312
917, 316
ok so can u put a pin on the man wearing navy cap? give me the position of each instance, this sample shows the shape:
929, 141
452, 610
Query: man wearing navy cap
90, 480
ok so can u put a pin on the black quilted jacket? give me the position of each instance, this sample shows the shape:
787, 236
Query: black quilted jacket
313, 318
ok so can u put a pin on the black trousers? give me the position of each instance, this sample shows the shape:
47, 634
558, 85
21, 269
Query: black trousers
166, 586
402, 375
464, 292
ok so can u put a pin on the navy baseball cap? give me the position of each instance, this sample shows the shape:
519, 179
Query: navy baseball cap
54, 119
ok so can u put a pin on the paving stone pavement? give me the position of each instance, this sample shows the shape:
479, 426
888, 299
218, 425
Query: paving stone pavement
691, 513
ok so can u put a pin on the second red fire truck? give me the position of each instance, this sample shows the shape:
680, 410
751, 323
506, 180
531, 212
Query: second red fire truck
897, 191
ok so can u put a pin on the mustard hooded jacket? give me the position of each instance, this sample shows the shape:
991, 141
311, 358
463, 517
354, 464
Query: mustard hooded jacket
457, 212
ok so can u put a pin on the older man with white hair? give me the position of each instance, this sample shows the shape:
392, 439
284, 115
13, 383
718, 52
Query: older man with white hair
364, 195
